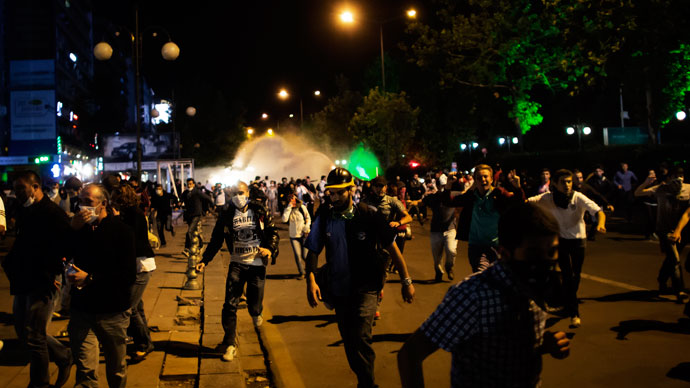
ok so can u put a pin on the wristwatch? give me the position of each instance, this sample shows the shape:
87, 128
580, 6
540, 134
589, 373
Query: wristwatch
407, 282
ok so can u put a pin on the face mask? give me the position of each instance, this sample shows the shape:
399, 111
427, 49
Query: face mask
29, 201
534, 275
91, 209
240, 201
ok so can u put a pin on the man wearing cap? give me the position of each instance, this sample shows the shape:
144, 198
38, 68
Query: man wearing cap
355, 266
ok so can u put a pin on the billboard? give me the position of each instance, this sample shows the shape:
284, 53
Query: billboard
627, 135
123, 147
32, 115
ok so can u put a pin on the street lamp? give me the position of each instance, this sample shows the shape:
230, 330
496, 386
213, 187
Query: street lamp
580, 129
348, 17
170, 51
284, 95
507, 141
680, 115
264, 116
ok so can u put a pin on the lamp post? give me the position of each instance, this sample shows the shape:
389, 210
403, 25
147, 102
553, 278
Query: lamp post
348, 17
170, 51
507, 141
580, 129
283, 94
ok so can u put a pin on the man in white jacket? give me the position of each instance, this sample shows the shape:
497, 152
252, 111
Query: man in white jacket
299, 223
569, 207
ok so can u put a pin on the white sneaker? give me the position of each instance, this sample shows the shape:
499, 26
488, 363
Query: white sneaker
258, 320
230, 353
575, 322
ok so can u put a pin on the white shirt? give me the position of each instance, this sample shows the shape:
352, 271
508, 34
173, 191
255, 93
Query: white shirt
298, 224
570, 221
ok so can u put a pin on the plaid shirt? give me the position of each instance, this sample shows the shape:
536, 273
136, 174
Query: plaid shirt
493, 332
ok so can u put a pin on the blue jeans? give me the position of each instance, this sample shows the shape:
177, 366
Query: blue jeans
481, 256
355, 316
300, 253
138, 326
239, 274
32, 313
86, 330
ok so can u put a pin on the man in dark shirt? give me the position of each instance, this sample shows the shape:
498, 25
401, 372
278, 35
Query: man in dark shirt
161, 203
493, 322
102, 275
34, 268
193, 199
442, 230
351, 235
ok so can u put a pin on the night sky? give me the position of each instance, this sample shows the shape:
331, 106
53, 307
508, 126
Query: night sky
248, 50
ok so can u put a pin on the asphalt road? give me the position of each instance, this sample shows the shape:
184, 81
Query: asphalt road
630, 337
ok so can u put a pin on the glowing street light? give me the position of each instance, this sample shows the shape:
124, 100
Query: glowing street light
347, 17
570, 131
283, 94
250, 131
264, 116
317, 93
270, 131
291, 115
475, 145
680, 115
515, 140
586, 130
463, 146
412, 13
501, 140
580, 129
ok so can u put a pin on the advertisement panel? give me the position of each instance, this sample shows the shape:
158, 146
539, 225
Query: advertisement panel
32, 115
32, 73
123, 147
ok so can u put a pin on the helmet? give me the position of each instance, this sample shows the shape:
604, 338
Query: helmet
339, 178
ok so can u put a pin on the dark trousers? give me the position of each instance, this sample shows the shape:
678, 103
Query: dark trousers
670, 268
193, 224
138, 326
32, 313
160, 224
481, 256
355, 316
239, 274
571, 255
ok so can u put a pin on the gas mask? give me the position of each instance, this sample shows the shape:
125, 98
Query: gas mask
240, 201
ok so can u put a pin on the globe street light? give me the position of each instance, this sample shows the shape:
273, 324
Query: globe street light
102, 51
284, 95
190, 111
580, 129
680, 115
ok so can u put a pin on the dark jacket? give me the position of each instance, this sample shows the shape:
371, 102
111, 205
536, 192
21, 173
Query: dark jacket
193, 202
162, 204
503, 200
43, 239
592, 194
134, 218
108, 255
367, 233
265, 229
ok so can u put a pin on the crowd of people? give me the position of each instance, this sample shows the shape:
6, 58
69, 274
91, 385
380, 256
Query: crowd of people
517, 229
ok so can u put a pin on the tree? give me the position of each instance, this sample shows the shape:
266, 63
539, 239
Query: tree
385, 123
518, 48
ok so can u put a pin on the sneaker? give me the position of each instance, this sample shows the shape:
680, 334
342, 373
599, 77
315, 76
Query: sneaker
258, 320
450, 273
230, 353
439, 277
575, 322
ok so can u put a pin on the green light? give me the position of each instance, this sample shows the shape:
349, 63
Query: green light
59, 145
363, 164
41, 159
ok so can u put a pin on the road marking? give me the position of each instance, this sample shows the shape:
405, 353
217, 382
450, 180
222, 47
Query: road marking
282, 366
612, 282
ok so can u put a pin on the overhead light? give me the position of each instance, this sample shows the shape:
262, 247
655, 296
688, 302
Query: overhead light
570, 130
586, 130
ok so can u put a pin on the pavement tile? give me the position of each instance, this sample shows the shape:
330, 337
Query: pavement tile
251, 363
212, 364
221, 380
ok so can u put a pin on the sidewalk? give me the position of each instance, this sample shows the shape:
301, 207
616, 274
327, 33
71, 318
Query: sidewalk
186, 328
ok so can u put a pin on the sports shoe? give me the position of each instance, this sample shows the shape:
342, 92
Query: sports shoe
450, 273
439, 277
230, 353
63, 373
258, 320
575, 322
